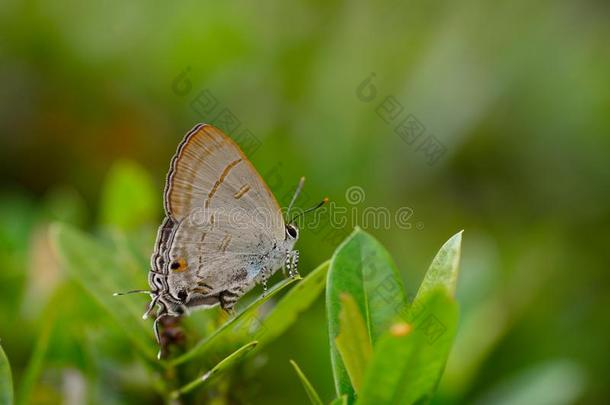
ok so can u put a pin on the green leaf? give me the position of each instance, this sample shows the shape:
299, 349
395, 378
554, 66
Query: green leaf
222, 366
444, 268
287, 310
353, 342
251, 324
129, 198
364, 269
314, 398
409, 359
239, 325
6, 380
102, 272
342, 400
554, 382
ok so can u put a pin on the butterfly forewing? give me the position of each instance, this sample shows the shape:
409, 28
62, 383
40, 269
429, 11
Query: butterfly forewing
208, 172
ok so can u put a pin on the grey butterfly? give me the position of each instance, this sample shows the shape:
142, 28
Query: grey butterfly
223, 231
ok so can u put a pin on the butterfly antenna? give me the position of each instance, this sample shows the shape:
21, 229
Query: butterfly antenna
116, 294
296, 195
321, 203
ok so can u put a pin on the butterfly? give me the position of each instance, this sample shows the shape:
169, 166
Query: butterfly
223, 231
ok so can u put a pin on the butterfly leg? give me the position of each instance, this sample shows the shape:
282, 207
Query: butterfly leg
262, 278
293, 263
286, 265
158, 335
171, 334
264, 283
156, 328
161, 312
151, 306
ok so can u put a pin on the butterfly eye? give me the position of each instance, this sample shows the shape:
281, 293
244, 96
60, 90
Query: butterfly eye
292, 231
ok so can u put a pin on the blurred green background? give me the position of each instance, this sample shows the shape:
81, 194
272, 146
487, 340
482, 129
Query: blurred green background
96, 96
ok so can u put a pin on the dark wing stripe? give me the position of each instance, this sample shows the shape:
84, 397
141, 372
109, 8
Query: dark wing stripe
224, 174
225, 243
242, 191
201, 255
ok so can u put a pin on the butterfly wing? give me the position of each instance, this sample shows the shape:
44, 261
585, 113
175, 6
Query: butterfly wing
210, 171
227, 219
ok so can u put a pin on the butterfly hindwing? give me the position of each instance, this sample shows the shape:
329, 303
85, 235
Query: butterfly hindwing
218, 254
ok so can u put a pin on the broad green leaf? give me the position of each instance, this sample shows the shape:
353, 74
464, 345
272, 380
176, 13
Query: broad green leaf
364, 269
102, 272
297, 300
314, 398
129, 198
240, 325
444, 268
222, 366
409, 359
353, 341
6, 380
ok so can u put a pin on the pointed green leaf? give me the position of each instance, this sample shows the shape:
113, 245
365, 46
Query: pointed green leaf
444, 268
409, 359
353, 342
222, 366
364, 269
6, 380
314, 398
102, 272
129, 198
241, 325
